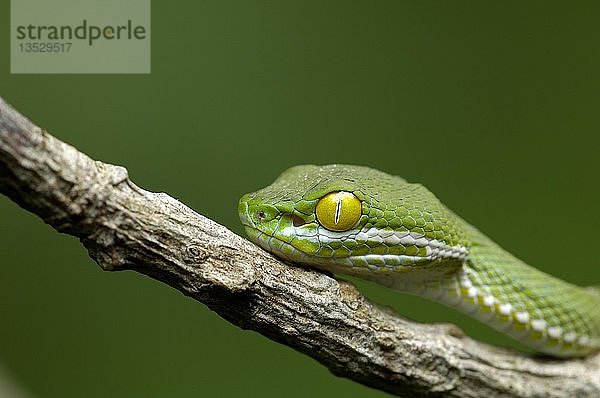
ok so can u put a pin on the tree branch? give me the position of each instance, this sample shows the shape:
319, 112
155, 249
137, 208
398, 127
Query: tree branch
125, 227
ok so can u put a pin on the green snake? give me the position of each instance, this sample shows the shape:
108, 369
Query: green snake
366, 223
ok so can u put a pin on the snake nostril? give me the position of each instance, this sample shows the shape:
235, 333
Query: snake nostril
298, 221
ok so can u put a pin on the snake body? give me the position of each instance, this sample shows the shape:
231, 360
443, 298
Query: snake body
363, 222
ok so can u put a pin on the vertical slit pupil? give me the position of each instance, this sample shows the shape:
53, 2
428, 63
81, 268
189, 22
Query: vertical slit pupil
338, 211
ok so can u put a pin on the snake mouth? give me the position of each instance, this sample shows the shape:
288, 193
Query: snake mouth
278, 247
245, 218
366, 265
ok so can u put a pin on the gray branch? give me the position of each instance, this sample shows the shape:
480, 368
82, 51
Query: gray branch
125, 227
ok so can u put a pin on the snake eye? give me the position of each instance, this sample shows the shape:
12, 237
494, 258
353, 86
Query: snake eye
339, 211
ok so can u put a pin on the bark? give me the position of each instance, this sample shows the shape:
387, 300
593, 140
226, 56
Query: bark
125, 227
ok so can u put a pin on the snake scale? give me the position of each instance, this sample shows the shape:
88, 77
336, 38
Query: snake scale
363, 222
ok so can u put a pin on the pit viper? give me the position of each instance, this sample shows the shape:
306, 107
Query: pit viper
363, 222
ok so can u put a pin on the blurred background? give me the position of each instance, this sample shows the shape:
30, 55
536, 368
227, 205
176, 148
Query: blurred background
491, 105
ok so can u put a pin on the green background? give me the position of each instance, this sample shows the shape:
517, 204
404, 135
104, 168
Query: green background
491, 105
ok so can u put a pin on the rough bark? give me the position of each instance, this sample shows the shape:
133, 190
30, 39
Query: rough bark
125, 227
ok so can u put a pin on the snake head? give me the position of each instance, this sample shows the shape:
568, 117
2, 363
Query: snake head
342, 218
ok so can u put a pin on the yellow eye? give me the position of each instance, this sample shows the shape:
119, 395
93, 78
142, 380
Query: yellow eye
339, 211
